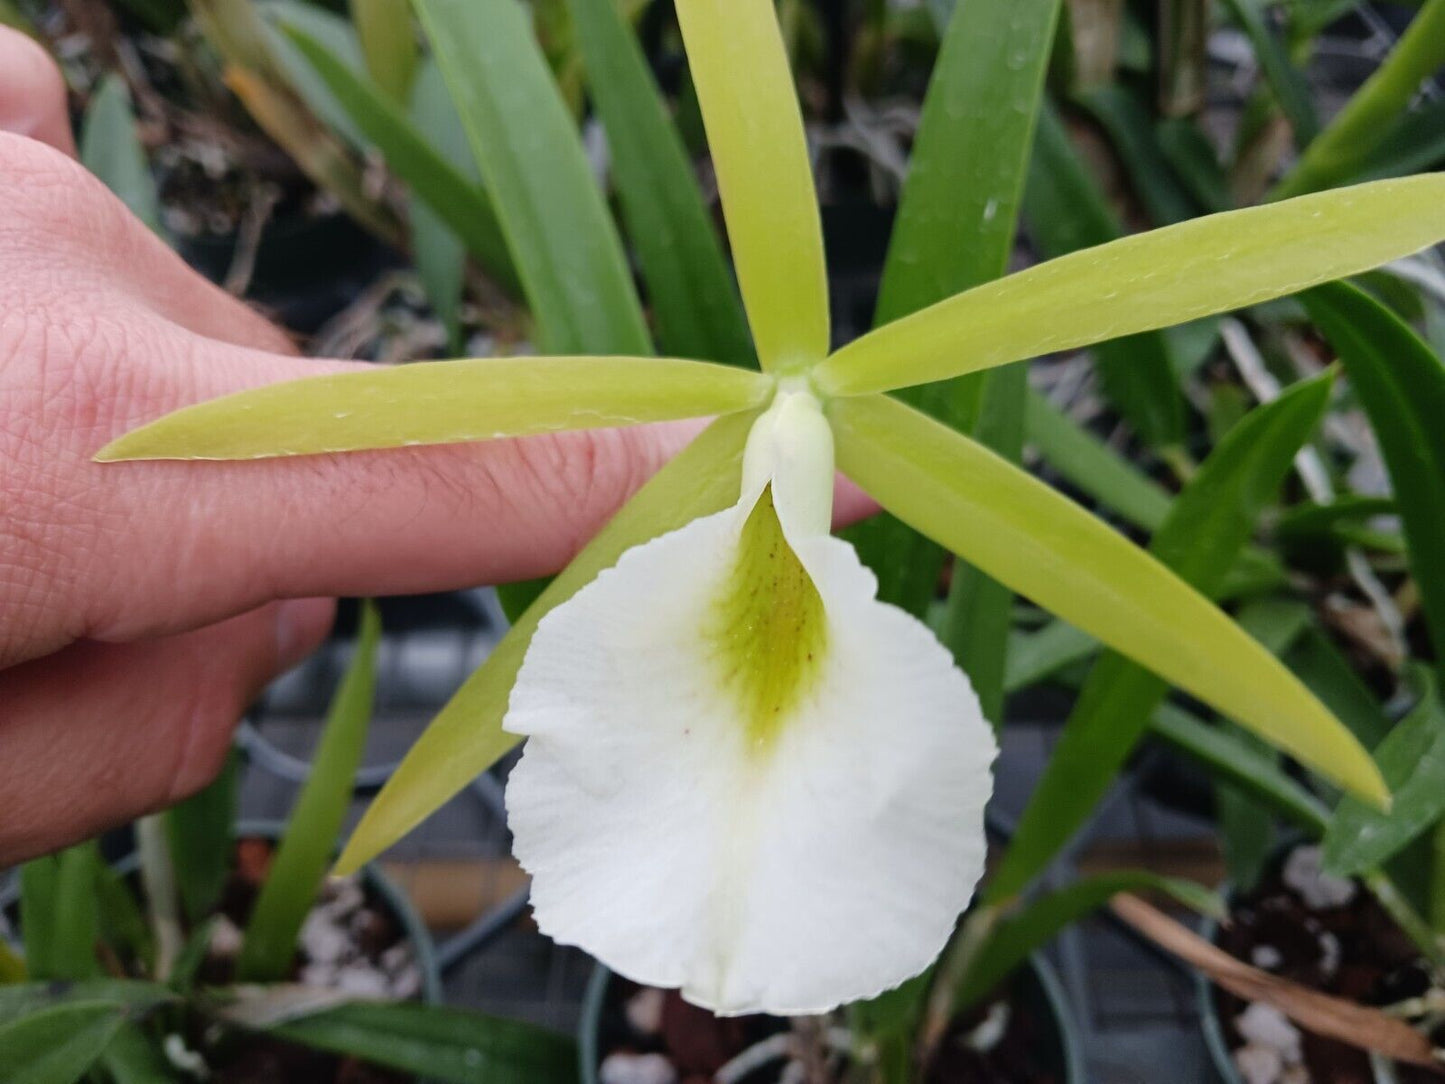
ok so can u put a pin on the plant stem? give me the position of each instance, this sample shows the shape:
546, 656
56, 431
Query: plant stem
1095, 26
1370, 115
158, 877
953, 968
1427, 940
1183, 32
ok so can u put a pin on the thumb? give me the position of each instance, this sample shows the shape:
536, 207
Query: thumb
32, 92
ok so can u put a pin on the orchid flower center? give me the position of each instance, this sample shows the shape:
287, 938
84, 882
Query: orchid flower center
770, 630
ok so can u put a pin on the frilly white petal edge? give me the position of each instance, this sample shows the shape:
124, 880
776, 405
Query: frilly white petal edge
827, 869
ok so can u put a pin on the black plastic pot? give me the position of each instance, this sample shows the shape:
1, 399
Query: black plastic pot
1038, 987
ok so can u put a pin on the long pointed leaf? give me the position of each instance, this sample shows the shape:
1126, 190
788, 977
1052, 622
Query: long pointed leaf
694, 300
1151, 280
755, 129
1200, 540
1401, 383
467, 737
111, 149
955, 228
58, 1045
1368, 118
1066, 211
439, 1043
305, 851
442, 402
1412, 758
448, 192
561, 238
1047, 548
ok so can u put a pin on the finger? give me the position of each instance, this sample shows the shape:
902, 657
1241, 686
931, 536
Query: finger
64, 236
32, 92
98, 734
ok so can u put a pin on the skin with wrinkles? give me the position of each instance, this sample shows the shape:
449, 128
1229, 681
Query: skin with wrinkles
143, 606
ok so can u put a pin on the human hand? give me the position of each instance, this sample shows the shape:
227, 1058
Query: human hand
142, 606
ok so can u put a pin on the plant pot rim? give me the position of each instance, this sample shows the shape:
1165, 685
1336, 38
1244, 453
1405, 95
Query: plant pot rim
1210, 1021
1070, 1043
389, 892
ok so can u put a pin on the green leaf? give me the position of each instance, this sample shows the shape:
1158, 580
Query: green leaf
1045, 547
1414, 144
694, 299
37, 914
439, 1043
438, 251
955, 228
755, 130
1093, 467
58, 1045
442, 402
201, 834
1015, 938
337, 35
1195, 163
123, 926
1200, 541
12, 967
388, 42
77, 923
562, 240
17, 1002
1151, 280
1067, 211
111, 149
1369, 117
1401, 384
446, 189
1126, 120
467, 737
306, 849
1287, 82
1241, 763
1034, 656
1412, 760
1330, 676
132, 1058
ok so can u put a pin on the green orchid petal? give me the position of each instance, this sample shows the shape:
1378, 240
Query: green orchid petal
1025, 535
442, 402
1148, 281
467, 737
755, 130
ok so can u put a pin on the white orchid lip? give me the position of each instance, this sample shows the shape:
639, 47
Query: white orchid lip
745, 776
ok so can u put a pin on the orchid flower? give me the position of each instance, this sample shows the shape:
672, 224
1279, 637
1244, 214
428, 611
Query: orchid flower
745, 776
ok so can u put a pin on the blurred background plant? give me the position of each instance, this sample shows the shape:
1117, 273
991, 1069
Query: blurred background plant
550, 190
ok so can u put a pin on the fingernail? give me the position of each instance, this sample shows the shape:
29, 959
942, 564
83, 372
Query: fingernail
301, 626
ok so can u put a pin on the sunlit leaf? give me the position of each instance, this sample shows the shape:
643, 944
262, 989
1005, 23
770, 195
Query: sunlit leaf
1151, 280
306, 849
1045, 547
558, 230
759, 152
694, 299
442, 402
467, 737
